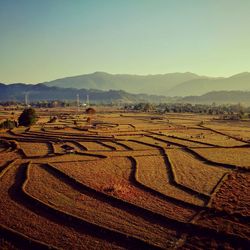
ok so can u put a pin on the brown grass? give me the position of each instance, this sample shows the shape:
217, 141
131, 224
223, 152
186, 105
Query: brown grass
18, 215
205, 136
193, 173
94, 146
34, 149
233, 195
234, 156
139, 180
113, 176
61, 196
153, 172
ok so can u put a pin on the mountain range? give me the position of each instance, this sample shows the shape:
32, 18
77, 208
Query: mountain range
106, 88
41, 92
171, 84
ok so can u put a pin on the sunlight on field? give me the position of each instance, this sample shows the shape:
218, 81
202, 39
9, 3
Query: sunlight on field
125, 180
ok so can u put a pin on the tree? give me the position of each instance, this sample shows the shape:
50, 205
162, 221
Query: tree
28, 117
90, 111
8, 124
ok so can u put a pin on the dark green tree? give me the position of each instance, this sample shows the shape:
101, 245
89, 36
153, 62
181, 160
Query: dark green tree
27, 118
8, 124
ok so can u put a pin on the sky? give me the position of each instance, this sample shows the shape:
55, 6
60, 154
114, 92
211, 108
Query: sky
50, 39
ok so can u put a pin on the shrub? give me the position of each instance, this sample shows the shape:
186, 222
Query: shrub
8, 124
90, 111
28, 117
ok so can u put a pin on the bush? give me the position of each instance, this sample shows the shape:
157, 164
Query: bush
8, 124
90, 111
28, 117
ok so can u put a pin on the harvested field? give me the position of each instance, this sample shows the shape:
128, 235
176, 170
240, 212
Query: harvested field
193, 173
205, 136
116, 177
153, 172
35, 149
233, 195
124, 181
94, 146
231, 156
60, 196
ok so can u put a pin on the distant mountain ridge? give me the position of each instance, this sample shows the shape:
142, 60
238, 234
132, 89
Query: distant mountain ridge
41, 92
239, 82
220, 97
148, 84
171, 84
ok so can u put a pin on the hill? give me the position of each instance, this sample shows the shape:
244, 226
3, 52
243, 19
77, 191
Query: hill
41, 92
202, 86
149, 84
220, 97
172, 84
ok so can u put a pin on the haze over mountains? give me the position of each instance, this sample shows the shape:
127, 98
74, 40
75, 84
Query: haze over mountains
41, 92
171, 84
106, 88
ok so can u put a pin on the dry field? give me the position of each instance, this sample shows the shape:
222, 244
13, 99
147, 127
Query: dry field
125, 181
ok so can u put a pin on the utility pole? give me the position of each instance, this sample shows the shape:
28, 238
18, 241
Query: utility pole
77, 102
87, 101
26, 99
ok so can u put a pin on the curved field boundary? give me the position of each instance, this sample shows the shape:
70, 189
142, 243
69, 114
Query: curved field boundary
122, 145
101, 144
75, 221
147, 144
172, 180
25, 156
100, 156
66, 135
59, 136
79, 145
131, 125
208, 144
112, 148
106, 124
176, 201
112, 200
171, 142
217, 187
22, 241
202, 158
6, 167
171, 174
50, 148
28, 139
221, 133
164, 140
107, 146
194, 141
127, 206
216, 164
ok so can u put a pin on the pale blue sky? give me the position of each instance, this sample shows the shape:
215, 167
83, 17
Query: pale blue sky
47, 39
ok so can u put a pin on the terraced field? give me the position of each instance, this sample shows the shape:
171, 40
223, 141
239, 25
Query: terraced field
126, 181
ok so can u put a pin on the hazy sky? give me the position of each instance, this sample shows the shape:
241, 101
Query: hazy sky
47, 39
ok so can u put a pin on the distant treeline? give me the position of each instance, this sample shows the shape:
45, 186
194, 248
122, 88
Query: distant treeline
233, 112
236, 111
